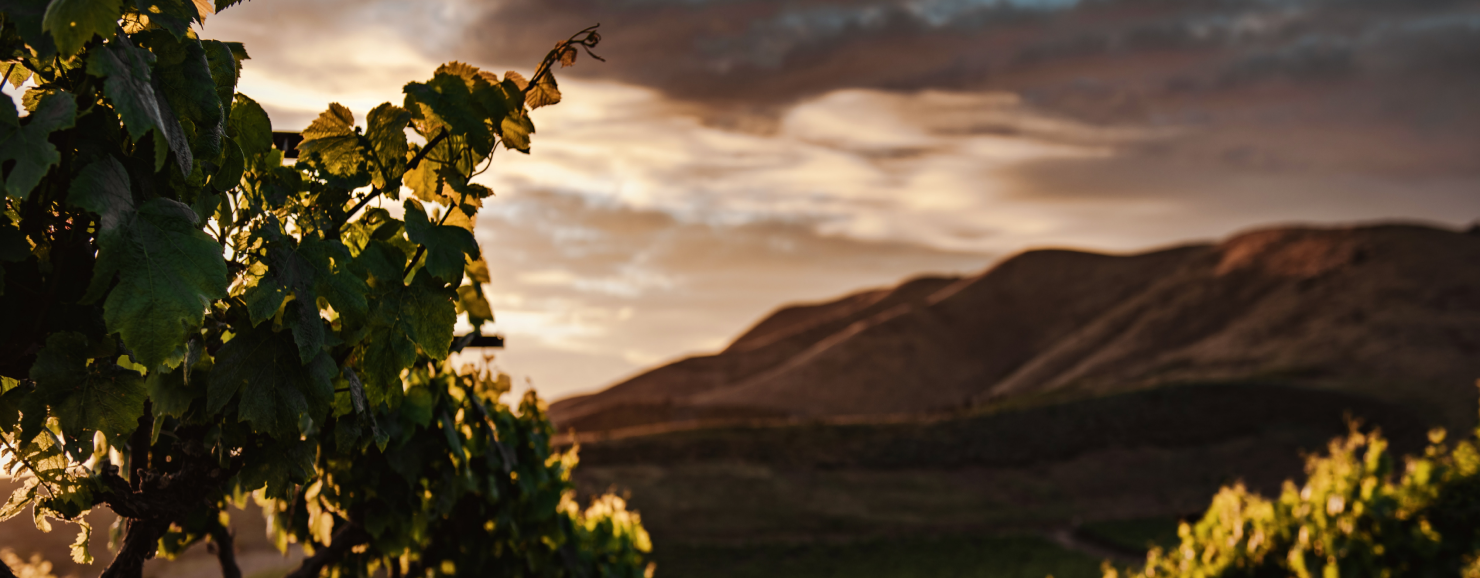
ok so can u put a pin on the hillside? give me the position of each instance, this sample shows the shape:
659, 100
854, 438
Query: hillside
1160, 452
1390, 312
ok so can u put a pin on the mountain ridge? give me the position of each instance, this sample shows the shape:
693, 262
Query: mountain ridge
1387, 311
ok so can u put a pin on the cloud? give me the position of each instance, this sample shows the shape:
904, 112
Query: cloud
672, 199
867, 165
307, 54
762, 52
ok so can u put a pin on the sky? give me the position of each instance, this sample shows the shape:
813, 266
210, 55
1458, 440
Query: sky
734, 156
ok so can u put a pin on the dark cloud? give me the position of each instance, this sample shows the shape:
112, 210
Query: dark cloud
765, 51
1323, 70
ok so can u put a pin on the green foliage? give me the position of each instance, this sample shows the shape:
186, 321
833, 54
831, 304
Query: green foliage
86, 395
25, 141
195, 323
1356, 515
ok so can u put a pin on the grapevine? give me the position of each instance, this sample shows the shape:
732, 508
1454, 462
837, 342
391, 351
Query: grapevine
190, 324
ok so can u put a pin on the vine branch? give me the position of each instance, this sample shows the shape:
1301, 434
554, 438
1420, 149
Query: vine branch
411, 164
587, 39
348, 537
225, 545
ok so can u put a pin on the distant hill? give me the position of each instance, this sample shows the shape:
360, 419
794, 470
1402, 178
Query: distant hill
1390, 312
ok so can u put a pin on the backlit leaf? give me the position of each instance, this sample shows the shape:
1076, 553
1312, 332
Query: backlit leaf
17, 73
87, 397
387, 134
172, 15
446, 245
477, 270
545, 93
516, 131
446, 103
470, 300
332, 143
81, 553
516, 79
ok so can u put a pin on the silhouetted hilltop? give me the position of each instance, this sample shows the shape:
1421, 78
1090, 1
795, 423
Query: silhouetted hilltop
1390, 312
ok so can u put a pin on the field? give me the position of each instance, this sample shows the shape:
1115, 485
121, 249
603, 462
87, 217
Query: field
1007, 492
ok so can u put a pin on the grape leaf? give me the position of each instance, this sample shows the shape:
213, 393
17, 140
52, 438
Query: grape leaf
446, 103
382, 262
170, 394
225, 70
74, 22
516, 131
275, 387
250, 126
544, 93
168, 270
489, 96
387, 134
80, 552
25, 141
402, 319
332, 143
470, 300
515, 81
233, 165
333, 279
279, 465
86, 397
177, 141
428, 181
173, 15
467, 72
306, 270
16, 73
133, 90
203, 8
477, 271
289, 273
126, 70
445, 244
27, 16
182, 76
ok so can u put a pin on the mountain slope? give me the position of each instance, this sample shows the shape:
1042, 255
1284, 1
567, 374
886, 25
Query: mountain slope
1391, 312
